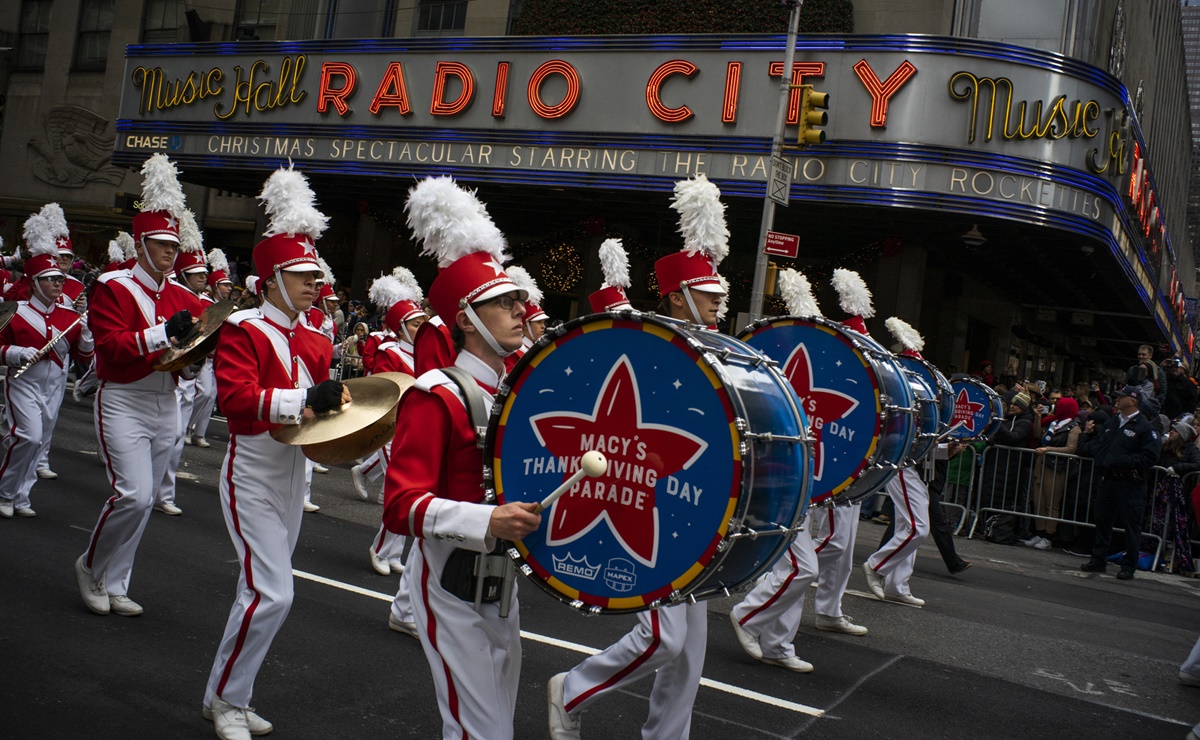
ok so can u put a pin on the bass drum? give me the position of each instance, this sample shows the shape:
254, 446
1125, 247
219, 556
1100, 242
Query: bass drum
934, 379
978, 410
858, 400
708, 461
929, 421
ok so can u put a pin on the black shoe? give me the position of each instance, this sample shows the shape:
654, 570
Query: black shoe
1093, 566
1125, 575
962, 565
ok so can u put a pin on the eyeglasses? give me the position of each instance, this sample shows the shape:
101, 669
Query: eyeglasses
506, 302
54, 279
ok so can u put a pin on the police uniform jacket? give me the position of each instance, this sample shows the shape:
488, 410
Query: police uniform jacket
1124, 452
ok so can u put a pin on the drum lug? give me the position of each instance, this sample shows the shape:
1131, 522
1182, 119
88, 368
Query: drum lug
489, 496
740, 424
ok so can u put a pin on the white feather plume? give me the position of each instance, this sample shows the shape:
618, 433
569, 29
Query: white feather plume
125, 242
190, 238
44, 228
218, 261
723, 306
853, 294
326, 271
797, 294
405, 275
905, 334
388, 290
523, 280
252, 283
292, 205
614, 263
701, 218
161, 190
451, 222
115, 253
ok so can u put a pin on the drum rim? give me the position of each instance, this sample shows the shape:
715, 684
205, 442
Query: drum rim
673, 591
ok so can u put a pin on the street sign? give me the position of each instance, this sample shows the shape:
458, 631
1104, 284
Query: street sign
781, 180
782, 245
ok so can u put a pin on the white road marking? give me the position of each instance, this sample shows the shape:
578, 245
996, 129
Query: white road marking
186, 476
584, 649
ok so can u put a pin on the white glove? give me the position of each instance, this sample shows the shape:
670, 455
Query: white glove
1171, 472
26, 354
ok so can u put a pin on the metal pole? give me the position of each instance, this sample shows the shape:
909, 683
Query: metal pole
768, 218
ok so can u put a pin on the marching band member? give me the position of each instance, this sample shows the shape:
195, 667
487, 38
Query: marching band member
766, 620
535, 317
434, 488
272, 368
220, 287
614, 263
403, 318
320, 317
122, 256
670, 642
191, 274
135, 315
889, 569
32, 400
7, 261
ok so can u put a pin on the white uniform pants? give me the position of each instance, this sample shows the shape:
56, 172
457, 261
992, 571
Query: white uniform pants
31, 404
135, 424
185, 392
402, 608
206, 398
771, 610
475, 657
834, 531
262, 498
374, 466
387, 544
1192, 664
670, 641
895, 560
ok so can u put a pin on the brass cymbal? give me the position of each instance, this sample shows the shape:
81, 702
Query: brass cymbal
200, 340
358, 428
8, 309
404, 380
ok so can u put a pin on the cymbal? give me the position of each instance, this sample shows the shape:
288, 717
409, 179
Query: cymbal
8, 309
358, 428
200, 340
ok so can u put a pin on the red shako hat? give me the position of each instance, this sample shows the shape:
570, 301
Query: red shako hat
705, 239
191, 246
399, 297
162, 201
42, 231
854, 298
289, 243
614, 263
220, 268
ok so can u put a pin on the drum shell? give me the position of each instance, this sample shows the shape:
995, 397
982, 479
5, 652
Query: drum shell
934, 378
729, 395
979, 405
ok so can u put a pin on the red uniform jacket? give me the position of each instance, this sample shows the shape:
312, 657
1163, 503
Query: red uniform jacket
127, 313
370, 347
33, 326
394, 357
263, 365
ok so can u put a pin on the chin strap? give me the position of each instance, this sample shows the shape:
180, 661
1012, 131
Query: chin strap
404, 331
687, 296
483, 331
287, 299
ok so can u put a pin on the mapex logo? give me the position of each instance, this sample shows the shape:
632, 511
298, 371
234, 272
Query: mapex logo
580, 568
619, 575
154, 141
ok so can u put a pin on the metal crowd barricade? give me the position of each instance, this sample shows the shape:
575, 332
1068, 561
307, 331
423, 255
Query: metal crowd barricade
1051, 487
957, 493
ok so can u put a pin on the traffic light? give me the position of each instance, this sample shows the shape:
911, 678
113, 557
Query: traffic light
812, 113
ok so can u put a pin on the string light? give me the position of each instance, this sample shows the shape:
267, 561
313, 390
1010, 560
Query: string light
561, 268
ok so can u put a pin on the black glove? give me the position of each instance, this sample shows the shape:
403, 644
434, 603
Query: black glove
324, 396
179, 324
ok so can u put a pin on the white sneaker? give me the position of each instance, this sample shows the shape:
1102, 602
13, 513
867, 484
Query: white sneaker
124, 606
95, 595
231, 722
748, 641
202, 442
168, 508
360, 482
379, 498
256, 724
75, 395
874, 582
404, 628
839, 624
6, 509
792, 664
1042, 544
906, 599
24, 511
310, 507
46, 474
563, 725
187, 440
319, 468
1188, 679
396, 565
379, 563
1030, 541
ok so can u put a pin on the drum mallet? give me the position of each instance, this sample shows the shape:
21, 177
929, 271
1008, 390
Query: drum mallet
593, 464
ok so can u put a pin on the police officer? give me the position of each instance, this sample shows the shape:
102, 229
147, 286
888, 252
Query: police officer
1124, 450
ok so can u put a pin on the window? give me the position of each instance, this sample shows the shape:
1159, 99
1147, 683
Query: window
438, 17
162, 22
256, 19
34, 34
95, 25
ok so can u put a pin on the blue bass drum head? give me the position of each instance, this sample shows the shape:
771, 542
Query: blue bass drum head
639, 391
978, 407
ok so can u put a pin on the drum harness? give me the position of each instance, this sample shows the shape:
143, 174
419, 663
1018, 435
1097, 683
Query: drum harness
478, 577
